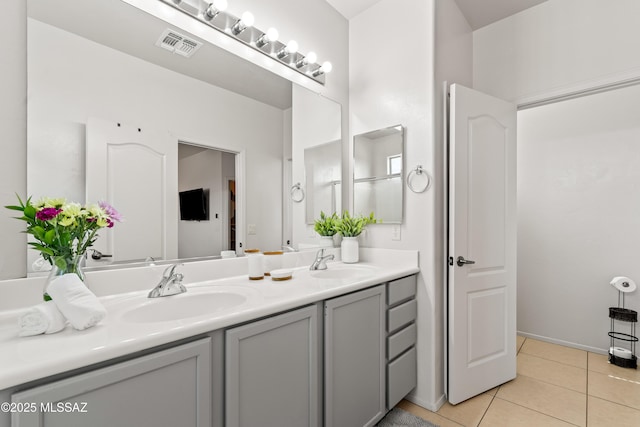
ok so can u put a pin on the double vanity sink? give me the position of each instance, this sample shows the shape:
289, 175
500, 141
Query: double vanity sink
212, 299
233, 340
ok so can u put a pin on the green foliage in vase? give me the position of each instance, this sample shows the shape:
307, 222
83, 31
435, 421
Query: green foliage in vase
353, 226
326, 225
63, 231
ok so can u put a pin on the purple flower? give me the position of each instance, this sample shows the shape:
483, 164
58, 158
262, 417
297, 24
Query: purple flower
46, 214
111, 212
109, 223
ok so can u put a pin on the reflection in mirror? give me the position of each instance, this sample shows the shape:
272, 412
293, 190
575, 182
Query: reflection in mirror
378, 174
316, 122
79, 67
206, 182
323, 172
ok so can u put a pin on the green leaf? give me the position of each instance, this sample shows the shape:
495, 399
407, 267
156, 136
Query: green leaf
30, 212
38, 232
15, 208
49, 236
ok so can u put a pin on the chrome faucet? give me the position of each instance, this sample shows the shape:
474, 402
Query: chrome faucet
320, 262
170, 284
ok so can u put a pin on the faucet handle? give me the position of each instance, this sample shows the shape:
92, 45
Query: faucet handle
171, 269
320, 253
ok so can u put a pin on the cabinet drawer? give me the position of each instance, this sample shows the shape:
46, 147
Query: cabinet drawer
401, 315
401, 289
401, 377
400, 341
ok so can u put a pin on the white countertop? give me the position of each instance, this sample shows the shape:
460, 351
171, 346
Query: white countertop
24, 359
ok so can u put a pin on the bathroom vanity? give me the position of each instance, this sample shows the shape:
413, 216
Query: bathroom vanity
333, 348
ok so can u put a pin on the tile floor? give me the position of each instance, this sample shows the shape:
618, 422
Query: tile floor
555, 386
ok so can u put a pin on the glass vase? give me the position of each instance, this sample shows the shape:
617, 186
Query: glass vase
61, 266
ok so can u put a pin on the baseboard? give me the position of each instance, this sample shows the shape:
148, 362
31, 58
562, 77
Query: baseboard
433, 407
564, 343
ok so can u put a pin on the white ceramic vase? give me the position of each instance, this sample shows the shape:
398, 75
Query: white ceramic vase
350, 250
326, 241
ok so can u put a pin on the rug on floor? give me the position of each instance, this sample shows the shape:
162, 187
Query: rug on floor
400, 418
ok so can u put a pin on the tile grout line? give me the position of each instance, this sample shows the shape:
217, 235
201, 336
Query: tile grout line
541, 413
488, 406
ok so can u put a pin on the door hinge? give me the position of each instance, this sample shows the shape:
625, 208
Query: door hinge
450, 260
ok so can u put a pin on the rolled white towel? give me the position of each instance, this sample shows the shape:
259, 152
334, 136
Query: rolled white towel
76, 302
44, 318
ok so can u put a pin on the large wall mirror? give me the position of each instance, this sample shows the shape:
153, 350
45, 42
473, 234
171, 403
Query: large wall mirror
229, 122
378, 174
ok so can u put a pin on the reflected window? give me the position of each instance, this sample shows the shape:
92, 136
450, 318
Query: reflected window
394, 164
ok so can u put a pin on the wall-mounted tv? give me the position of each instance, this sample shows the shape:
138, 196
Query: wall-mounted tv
194, 205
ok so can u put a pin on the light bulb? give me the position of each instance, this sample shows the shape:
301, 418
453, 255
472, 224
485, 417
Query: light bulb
326, 67
311, 58
247, 19
292, 46
272, 34
214, 9
221, 5
269, 37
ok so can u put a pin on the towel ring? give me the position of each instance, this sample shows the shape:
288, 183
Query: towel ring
297, 193
418, 170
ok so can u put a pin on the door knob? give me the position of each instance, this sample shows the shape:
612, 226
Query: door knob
461, 261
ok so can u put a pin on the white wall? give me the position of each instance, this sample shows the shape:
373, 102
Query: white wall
13, 131
557, 46
578, 209
96, 81
391, 78
453, 64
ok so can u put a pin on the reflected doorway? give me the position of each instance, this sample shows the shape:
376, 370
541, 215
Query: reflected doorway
213, 171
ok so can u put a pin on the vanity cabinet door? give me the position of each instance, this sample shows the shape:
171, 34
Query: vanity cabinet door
355, 381
168, 388
272, 376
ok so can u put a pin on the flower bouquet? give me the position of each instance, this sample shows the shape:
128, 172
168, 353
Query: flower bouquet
63, 231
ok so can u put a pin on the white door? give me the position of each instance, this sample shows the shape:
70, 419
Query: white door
482, 243
135, 170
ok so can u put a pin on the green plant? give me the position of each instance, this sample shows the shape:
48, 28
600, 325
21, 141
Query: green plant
352, 226
326, 225
64, 230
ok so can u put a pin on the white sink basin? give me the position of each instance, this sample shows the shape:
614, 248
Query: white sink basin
343, 272
182, 306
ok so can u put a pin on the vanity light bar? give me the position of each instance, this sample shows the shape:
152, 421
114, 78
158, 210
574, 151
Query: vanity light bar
214, 14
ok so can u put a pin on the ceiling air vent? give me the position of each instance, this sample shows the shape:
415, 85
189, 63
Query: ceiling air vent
177, 43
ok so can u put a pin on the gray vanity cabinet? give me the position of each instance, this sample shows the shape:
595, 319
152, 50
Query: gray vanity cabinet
168, 388
355, 358
272, 373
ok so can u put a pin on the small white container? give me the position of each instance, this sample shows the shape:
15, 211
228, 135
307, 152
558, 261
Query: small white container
281, 274
228, 254
256, 264
350, 250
